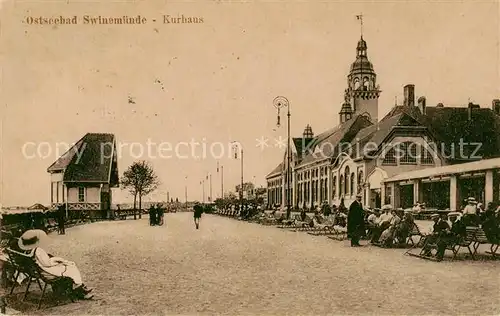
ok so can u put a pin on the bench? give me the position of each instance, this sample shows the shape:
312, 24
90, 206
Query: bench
26, 264
481, 239
467, 241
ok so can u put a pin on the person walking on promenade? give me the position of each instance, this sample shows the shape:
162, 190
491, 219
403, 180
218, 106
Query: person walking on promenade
160, 213
60, 219
152, 216
356, 221
198, 210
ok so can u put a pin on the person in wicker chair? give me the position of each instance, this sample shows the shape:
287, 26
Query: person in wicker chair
30, 243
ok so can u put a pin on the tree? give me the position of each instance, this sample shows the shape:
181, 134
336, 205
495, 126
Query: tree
140, 179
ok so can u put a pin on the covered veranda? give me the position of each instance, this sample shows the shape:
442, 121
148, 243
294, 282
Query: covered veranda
445, 187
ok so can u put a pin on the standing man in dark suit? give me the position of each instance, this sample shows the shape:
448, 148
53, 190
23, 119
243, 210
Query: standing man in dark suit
355, 221
61, 218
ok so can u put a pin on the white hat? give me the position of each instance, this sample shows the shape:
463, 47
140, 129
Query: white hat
434, 215
386, 207
31, 239
471, 200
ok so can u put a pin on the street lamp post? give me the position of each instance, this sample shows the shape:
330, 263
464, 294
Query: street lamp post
280, 102
186, 192
203, 184
241, 197
241, 185
210, 198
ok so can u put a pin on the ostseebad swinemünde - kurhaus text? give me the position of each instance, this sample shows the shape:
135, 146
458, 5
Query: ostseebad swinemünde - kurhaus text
118, 20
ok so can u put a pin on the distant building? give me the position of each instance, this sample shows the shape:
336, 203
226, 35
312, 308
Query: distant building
356, 156
84, 175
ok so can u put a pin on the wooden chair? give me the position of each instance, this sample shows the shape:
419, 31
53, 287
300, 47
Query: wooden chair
415, 231
26, 264
481, 239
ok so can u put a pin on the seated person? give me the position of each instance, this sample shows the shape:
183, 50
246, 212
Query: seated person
404, 227
452, 235
373, 220
416, 208
30, 242
303, 215
383, 223
340, 219
387, 236
439, 229
490, 225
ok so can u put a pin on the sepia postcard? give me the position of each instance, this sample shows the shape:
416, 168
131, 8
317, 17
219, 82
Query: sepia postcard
249, 157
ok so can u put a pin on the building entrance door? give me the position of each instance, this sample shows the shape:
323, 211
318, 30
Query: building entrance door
375, 198
406, 195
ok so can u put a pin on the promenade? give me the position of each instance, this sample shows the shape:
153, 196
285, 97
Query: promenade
239, 268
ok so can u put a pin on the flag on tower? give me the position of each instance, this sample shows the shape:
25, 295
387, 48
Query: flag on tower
217, 167
359, 17
207, 177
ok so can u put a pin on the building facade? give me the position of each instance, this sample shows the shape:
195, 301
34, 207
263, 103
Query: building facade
359, 154
82, 178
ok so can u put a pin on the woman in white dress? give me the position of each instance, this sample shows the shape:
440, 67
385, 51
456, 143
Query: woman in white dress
55, 266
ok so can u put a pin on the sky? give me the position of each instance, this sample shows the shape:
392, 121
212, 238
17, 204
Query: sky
214, 82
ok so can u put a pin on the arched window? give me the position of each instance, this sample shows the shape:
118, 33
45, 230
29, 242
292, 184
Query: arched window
366, 83
426, 157
334, 187
390, 157
360, 180
347, 182
341, 186
356, 84
408, 152
353, 177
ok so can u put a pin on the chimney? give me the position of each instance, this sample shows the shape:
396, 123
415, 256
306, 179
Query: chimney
409, 95
421, 104
495, 106
469, 109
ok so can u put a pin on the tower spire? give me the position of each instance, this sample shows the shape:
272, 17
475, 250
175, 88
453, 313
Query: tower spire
360, 18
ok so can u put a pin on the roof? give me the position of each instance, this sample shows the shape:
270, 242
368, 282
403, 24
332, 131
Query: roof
374, 134
328, 142
15, 211
451, 125
479, 165
276, 171
301, 144
91, 159
37, 206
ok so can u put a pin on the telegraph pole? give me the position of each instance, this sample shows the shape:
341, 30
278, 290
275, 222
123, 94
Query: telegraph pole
241, 197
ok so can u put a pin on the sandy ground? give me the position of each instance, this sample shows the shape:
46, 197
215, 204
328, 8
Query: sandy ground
238, 268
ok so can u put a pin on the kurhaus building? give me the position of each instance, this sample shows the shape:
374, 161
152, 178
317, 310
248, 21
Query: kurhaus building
363, 151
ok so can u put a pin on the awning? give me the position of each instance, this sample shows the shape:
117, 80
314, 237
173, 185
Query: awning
457, 169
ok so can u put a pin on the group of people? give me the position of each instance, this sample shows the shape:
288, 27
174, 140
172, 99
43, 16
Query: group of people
156, 213
451, 231
389, 226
